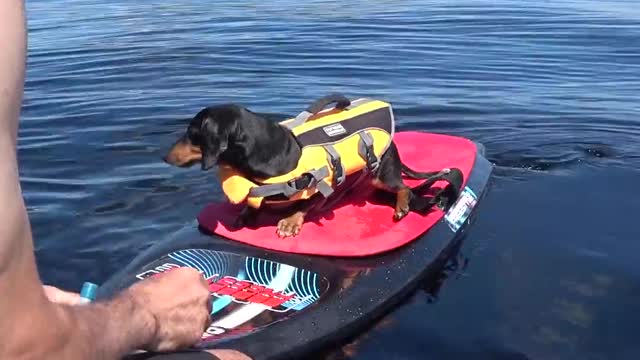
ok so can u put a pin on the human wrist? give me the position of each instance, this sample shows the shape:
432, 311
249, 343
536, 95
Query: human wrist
115, 327
143, 323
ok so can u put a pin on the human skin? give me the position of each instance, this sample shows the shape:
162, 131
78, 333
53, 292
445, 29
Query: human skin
165, 313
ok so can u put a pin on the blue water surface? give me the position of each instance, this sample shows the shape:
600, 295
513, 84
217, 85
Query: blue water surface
551, 88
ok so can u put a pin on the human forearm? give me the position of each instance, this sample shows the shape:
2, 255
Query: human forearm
12, 66
109, 330
102, 330
12, 70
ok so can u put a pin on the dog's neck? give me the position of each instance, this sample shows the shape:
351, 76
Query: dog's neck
273, 152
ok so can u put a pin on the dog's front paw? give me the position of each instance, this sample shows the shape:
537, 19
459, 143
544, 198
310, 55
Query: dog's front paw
290, 226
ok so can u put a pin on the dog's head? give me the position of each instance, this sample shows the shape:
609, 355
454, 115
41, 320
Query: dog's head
206, 138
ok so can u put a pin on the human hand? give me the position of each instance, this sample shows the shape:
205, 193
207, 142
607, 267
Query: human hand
178, 304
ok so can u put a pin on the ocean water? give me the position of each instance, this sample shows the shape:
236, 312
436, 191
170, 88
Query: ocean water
551, 88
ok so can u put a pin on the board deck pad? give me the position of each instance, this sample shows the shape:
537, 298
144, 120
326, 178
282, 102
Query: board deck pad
359, 224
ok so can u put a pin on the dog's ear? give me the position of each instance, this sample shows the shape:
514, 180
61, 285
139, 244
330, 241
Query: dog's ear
214, 142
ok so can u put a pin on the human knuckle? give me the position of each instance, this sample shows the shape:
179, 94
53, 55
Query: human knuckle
192, 271
184, 271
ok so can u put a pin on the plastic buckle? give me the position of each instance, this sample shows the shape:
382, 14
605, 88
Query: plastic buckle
372, 161
338, 174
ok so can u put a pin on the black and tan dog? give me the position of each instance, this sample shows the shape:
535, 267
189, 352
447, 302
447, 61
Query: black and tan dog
259, 149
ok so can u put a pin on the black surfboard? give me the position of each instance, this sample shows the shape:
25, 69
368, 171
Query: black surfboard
272, 305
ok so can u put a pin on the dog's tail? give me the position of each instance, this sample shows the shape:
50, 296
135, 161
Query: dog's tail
417, 175
421, 204
444, 197
451, 175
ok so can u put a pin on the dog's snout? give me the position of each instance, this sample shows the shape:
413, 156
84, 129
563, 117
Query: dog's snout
182, 155
167, 158
171, 158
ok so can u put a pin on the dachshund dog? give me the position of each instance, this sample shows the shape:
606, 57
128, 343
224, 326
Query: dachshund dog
233, 135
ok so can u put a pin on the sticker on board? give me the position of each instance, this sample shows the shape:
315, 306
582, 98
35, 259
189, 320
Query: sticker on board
461, 209
249, 293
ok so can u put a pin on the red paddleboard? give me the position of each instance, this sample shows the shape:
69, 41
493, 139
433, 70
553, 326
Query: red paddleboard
358, 224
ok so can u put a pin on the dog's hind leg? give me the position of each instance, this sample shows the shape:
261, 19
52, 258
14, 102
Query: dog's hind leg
389, 178
403, 193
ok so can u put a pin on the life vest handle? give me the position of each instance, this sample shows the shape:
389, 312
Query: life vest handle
341, 101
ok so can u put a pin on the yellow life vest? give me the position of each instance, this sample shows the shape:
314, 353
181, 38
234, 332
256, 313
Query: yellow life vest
335, 143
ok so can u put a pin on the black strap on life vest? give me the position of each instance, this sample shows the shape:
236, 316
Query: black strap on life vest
336, 164
293, 186
365, 150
